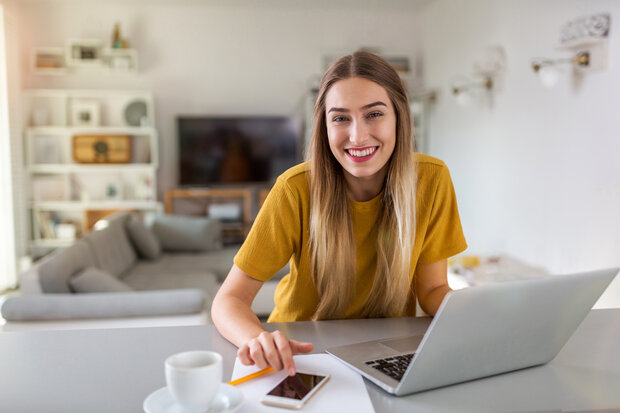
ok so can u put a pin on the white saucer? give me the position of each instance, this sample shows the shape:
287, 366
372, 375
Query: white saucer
227, 400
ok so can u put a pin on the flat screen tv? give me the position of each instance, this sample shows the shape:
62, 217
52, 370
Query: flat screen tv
236, 150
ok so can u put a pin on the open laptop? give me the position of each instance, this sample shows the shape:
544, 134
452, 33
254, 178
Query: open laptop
482, 331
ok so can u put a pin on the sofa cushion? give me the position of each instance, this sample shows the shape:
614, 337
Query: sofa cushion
56, 269
173, 271
94, 280
187, 233
143, 238
111, 248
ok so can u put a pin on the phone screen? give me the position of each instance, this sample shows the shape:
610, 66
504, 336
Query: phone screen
297, 386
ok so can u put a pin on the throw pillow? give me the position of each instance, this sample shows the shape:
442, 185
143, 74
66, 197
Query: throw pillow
94, 280
143, 239
187, 233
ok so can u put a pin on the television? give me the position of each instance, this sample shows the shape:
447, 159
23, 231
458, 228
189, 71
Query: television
220, 151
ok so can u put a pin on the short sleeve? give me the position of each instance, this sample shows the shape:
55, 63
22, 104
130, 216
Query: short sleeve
274, 236
444, 234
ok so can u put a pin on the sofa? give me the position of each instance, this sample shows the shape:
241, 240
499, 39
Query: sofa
130, 273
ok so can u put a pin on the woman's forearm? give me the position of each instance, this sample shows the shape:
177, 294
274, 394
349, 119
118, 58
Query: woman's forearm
234, 319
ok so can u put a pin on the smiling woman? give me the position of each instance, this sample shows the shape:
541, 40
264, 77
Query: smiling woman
7, 231
366, 224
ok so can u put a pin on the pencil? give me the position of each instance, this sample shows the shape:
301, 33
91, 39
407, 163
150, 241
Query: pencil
251, 376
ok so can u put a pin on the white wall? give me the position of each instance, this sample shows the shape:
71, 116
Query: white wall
537, 172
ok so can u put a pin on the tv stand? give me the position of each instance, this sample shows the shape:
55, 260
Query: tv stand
233, 232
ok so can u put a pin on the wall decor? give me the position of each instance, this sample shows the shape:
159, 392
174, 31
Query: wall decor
596, 26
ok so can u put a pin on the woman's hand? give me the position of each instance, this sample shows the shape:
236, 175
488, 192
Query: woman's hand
272, 349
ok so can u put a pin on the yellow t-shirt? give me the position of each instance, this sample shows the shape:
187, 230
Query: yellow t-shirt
281, 232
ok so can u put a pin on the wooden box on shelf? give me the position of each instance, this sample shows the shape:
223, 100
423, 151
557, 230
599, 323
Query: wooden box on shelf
102, 148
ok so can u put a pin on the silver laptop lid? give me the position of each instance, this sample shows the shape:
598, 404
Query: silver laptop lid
482, 331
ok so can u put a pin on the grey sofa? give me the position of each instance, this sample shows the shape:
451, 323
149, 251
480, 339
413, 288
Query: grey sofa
169, 270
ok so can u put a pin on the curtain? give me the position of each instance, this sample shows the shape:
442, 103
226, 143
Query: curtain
8, 265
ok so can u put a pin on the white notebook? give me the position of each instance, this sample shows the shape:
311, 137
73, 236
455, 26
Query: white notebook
345, 390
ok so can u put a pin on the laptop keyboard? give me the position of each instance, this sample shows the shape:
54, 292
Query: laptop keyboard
394, 367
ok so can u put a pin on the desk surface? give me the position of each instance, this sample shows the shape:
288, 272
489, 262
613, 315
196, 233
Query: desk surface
114, 370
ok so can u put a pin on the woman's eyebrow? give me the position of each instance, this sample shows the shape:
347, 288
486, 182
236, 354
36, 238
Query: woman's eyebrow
368, 106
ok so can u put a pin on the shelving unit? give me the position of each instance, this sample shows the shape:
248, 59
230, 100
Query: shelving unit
64, 188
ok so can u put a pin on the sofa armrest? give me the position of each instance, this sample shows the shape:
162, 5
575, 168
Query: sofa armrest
103, 305
29, 282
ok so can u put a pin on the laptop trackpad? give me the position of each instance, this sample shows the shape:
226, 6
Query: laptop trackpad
404, 344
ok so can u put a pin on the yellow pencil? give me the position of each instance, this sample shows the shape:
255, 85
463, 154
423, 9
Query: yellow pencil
251, 376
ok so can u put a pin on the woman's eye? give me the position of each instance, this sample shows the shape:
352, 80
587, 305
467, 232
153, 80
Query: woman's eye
375, 114
339, 119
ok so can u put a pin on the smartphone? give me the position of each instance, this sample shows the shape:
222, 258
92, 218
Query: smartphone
294, 391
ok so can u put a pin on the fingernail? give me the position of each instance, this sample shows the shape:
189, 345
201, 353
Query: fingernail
291, 371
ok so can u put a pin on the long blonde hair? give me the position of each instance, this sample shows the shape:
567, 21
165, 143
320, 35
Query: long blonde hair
332, 242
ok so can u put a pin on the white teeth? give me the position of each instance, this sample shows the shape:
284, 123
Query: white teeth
360, 154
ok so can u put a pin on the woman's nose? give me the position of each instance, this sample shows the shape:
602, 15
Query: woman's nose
358, 133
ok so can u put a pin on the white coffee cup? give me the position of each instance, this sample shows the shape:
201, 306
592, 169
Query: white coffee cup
194, 378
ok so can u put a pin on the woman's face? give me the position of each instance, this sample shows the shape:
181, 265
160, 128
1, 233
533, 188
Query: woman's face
361, 128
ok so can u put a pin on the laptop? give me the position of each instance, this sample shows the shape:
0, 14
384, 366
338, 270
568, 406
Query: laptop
482, 331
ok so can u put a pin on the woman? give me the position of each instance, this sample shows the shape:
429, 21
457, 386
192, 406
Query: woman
366, 224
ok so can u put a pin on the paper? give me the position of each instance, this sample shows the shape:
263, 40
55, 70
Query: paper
345, 390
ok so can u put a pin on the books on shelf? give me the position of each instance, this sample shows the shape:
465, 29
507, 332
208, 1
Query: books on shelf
45, 224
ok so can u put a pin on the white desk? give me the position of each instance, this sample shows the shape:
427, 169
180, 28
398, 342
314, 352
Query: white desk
114, 370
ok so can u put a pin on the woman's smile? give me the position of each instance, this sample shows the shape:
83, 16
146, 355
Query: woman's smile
361, 154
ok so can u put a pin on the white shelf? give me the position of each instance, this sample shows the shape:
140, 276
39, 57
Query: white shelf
69, 168
104, 204
92, 130
60, 61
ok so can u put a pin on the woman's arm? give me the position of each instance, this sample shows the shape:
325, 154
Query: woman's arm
431, 285
233, 316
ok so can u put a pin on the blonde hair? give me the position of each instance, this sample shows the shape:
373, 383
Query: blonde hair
332, 243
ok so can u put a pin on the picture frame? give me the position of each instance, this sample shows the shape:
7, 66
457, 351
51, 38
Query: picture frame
85, 113
84, 52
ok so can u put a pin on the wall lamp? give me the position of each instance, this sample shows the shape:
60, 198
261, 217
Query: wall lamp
581, 59
547, 69
587, 39
466, 91
489, 65
486, 83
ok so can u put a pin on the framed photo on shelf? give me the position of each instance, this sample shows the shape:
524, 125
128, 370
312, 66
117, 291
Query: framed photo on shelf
84, 52
84, 113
